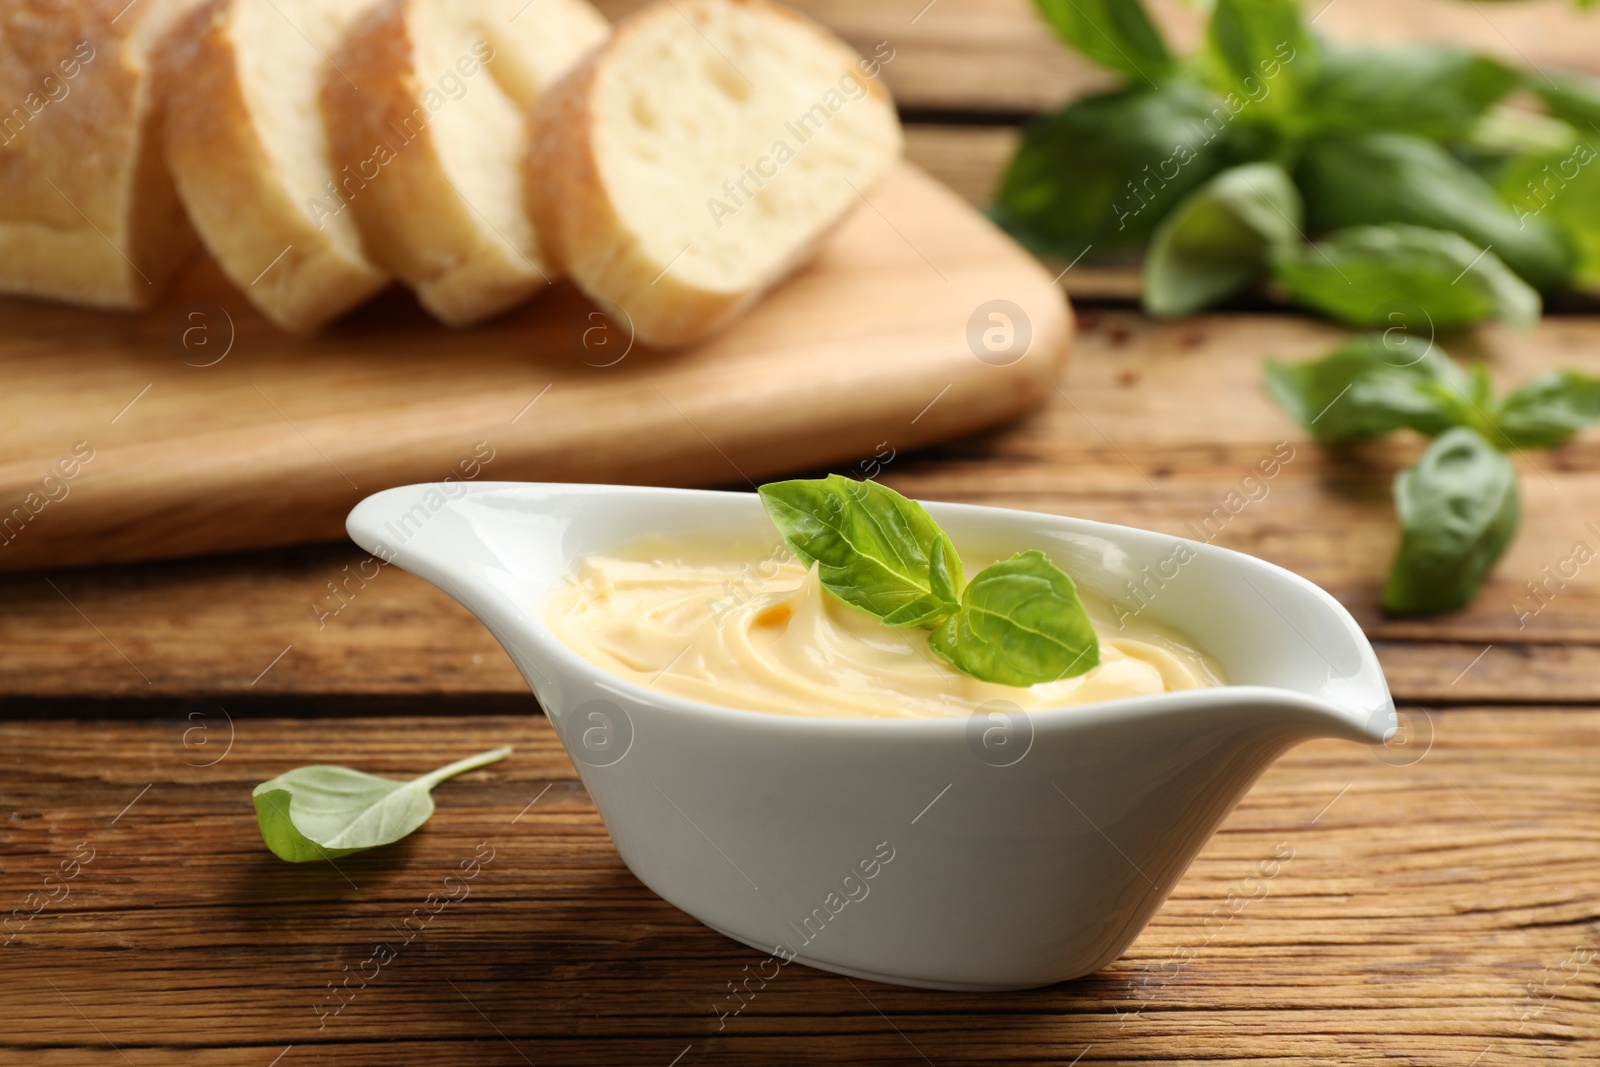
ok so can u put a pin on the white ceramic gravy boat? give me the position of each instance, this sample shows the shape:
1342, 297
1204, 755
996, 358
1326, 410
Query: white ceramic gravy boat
991, 852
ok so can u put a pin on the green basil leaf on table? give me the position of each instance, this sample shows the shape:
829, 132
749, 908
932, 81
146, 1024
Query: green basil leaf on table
1376, 178
1458, 509
1480, 395
1362, 274
873, 548
1506, 131
1220, 239
1115, 34
1020, 623
1096, 177
1573, 98
1434, 91
1562, 189
1373, 384
1548, 410
1262, 51
324, 812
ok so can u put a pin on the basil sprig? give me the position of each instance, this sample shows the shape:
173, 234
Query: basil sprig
1018, 622
1412, 190
1373, 384
1457, 505
323, 812
1549, 410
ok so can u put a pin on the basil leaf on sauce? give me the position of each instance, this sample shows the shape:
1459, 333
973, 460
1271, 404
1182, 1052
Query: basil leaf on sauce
324, 812
873, 547
1020, 623
1458, 510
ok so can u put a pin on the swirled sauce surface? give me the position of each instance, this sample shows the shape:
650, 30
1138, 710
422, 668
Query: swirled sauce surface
766, 636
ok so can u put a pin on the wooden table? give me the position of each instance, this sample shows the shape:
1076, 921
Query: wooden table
1436, 903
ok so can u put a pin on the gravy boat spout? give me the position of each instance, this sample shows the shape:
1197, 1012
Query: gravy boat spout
996, 851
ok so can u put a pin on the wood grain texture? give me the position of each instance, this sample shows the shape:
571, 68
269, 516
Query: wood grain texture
275, 443
1152, 425
999, 56
968, 159
1438, 910
1428, 914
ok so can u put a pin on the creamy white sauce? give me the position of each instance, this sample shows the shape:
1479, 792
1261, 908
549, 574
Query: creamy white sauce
771, 638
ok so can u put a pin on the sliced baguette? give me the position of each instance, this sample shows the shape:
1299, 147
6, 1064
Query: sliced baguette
700, 155
436, 134
87, 209
247, 146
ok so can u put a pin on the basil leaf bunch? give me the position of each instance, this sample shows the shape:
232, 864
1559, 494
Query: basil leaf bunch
1114, 35
1221, 239
1398, 161
1457, 504
323, 812
1376, 178
1433, 91
1368, 275
1560, 181
1096, 178
1018, 622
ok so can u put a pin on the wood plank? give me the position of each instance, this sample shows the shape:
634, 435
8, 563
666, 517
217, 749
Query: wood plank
1158, 422
998, 55
1153, 426
1381, 935
968, 159
275, 441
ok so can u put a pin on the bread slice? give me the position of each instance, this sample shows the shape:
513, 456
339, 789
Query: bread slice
701, 154
427, 111
247, 146
87, 209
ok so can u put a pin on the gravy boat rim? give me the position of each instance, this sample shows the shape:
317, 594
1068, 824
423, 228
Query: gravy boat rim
526, 624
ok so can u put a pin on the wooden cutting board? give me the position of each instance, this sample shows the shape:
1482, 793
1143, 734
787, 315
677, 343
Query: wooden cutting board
199, 428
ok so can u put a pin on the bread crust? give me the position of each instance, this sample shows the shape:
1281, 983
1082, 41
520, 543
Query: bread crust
580, 226
414, 221
296, 274
88, 213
